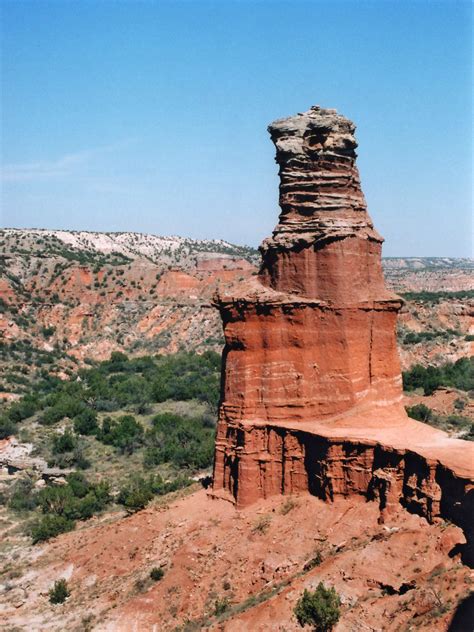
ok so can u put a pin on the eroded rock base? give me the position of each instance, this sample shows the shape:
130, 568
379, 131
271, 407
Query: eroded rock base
256, 461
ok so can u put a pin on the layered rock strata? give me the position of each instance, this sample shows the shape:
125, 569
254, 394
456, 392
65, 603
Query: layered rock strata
311, 388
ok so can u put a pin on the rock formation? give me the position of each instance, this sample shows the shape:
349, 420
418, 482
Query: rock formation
311, 389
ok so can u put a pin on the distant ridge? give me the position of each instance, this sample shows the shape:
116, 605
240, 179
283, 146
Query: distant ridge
159, 249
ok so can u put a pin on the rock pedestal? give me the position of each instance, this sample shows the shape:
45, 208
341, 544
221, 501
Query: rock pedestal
311, 390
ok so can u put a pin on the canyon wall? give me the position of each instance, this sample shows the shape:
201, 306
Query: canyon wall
311, 387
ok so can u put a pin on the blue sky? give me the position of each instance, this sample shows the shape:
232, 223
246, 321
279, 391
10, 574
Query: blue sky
152, 116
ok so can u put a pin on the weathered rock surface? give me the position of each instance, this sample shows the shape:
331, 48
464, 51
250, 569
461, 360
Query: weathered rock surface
311, 396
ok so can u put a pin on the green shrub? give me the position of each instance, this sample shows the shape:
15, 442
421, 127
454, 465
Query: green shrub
138, 491
435, 297
77, 500
157, 573
122, 382
64, 406
50, 526
126, 433
470, 434
419, 412
22, 497
65, 442
414, 337
23, 409
182, 441
458, 421
221, 605
459, 374
66, 460
136, 494
85, 422
59, 592
319, 608
7, 427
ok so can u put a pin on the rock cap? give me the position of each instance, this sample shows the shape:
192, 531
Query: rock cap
306, 134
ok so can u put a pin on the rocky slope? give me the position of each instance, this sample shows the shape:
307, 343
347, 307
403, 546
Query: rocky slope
241, 571
438, 327
431, 274
67, 296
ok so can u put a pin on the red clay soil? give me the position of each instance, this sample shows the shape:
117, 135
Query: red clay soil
257, 561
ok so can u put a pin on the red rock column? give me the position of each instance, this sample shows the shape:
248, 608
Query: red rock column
313, 336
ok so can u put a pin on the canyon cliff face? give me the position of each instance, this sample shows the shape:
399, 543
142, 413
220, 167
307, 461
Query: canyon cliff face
311, 391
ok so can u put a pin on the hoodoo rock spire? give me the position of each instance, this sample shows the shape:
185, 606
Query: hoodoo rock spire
311, 391
324, 228
314, 334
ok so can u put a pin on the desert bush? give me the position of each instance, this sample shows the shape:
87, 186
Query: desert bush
289, 504
182, 441
316, 560
460, 404
21, 496
59, 592
65, 442
319, 608
85, 422
7, 427
137, 492
50, 526
157, 573
459, 374
262, 524
419, 412
221, 605
126, 433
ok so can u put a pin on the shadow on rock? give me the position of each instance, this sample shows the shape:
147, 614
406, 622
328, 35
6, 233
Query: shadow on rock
463, 620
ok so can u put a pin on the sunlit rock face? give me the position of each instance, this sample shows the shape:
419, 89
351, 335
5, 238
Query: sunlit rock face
311, 385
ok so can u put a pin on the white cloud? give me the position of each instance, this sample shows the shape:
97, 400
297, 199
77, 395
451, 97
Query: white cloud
63, 166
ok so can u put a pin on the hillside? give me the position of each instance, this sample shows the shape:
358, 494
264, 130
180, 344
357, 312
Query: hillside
220, 572
68, 297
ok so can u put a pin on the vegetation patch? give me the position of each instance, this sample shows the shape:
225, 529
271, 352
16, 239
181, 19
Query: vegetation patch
459, 374
435, 297
319, 608
463, 426
59, 592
